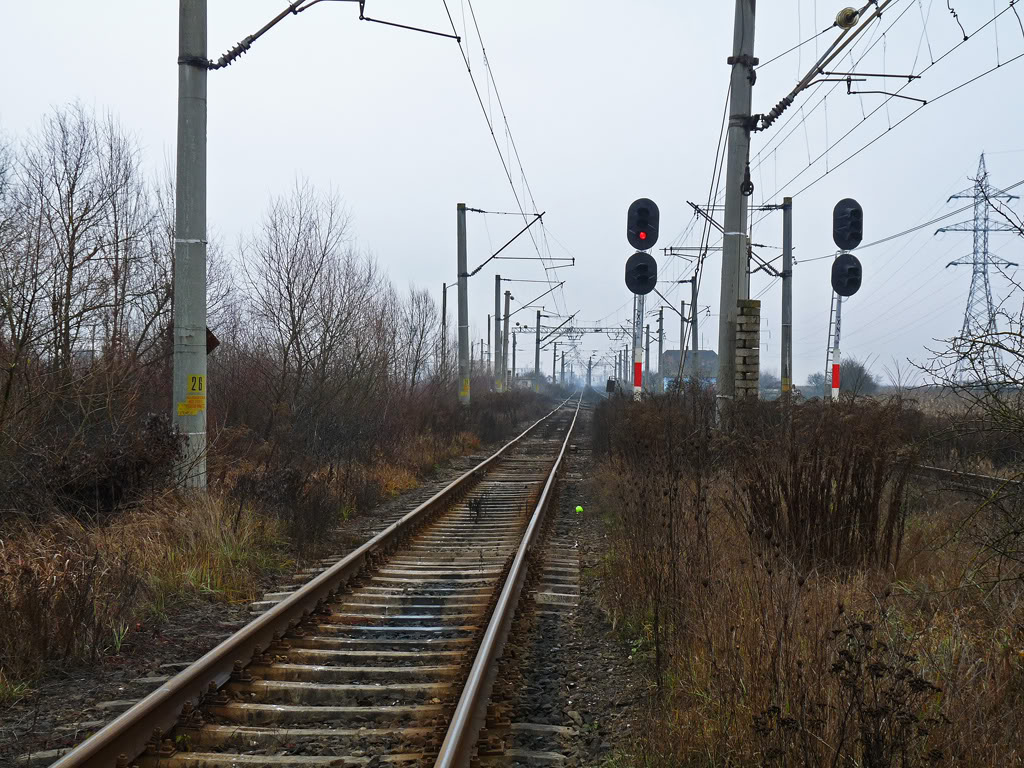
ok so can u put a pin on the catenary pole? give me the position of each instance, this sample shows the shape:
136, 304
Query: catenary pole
503, 375
465, 370
189, 384
561, 376
694, 329
487, 370
787, 300
536, 358
735, 272
554, 364
512, 373
682, 338
444, 329
499, 364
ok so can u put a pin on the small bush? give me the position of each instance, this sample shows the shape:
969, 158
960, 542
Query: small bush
829, 486
71, 592
60, 597
85, 452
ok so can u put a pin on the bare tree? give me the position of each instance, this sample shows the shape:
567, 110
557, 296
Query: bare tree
62, 170
416, 335
287, 267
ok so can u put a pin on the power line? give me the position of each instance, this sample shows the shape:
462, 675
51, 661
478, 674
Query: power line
511, 138
806, 113
909, 230
795, 47
490, 123
903, 119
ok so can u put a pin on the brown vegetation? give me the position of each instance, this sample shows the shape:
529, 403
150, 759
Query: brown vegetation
799, 602
328, 393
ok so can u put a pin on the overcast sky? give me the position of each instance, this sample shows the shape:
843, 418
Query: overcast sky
607, 102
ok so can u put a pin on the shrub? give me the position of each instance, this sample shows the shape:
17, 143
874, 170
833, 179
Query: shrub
70, 592
828, 486
783, 650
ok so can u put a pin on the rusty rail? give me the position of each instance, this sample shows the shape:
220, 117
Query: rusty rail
968, 480
130, 733
468, 719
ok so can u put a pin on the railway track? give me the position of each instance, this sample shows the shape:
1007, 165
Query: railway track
386, 657
968, 481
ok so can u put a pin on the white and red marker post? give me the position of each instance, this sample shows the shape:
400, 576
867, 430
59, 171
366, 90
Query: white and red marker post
638, 345
835, 350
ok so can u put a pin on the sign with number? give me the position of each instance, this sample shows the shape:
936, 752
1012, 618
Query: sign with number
195, 396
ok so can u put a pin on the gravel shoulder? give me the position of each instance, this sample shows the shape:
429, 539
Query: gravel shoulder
567, 685
610, 689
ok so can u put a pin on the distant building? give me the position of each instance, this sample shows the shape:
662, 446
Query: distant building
707, 364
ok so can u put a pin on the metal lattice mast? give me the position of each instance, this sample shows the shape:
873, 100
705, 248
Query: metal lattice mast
980, 315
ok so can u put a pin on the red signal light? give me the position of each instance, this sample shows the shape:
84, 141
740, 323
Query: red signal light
642, 235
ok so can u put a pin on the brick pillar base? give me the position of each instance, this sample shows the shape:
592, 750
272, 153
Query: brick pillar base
748, 348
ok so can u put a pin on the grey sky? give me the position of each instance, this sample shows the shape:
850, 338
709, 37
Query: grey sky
608, 101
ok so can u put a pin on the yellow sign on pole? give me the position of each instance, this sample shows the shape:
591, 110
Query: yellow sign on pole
195, 400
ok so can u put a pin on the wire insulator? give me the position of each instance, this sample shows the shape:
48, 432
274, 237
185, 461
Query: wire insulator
777, 110
229, 57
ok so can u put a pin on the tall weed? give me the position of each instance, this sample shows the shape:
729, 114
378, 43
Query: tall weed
783, 622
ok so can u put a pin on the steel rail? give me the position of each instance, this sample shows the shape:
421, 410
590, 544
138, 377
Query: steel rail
469, 716
968, 479
132, 731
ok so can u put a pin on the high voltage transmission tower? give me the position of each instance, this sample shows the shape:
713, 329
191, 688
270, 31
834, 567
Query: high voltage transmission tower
980, 314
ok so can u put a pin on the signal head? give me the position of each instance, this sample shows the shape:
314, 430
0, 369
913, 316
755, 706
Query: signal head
847, 224
846, 274
642, 224
641, 273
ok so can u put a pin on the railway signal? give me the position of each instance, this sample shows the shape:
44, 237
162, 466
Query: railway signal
846, 274
642, 220
641, 273
642, 224
847, 224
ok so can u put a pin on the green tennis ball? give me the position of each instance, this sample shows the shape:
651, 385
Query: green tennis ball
579, 510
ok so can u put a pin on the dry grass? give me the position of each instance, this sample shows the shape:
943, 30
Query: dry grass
766, 651
71, 592
73, 588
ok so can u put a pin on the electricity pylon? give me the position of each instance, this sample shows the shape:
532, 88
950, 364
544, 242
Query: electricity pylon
976, 361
